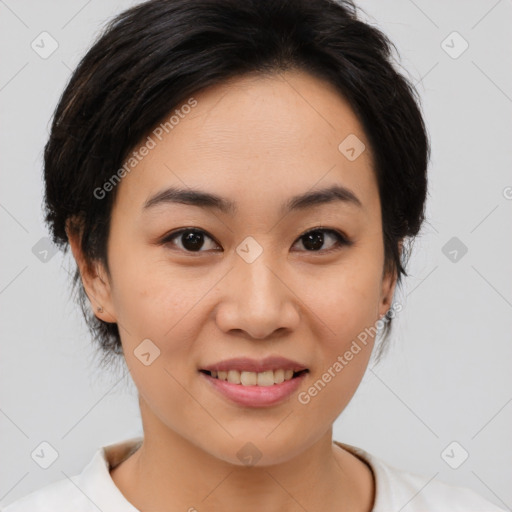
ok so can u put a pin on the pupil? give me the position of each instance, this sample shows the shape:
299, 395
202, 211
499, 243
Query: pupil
192, 240
314, 240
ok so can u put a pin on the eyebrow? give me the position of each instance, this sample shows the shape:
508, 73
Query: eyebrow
208, 200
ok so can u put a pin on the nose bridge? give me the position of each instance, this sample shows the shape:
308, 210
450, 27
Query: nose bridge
257, 300
257, 269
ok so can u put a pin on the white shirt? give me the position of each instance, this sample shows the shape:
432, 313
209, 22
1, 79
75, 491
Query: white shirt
396, 490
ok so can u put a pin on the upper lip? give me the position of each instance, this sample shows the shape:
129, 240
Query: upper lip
246, 364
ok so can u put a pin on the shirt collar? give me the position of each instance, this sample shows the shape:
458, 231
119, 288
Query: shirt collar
95, 480
97, 484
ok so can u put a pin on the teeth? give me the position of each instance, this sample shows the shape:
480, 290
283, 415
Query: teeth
279, 376
268, 378
248, 378
234, 377
265, 378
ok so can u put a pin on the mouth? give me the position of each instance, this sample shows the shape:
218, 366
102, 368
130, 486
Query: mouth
263, 379
250, 382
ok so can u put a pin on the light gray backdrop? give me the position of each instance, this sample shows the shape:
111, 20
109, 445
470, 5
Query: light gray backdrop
447, 378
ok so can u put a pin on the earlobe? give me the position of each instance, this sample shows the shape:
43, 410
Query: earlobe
100, 287
388, 286
94, 279
388, 289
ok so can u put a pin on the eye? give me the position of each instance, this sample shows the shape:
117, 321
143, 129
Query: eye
315, 238
191, 239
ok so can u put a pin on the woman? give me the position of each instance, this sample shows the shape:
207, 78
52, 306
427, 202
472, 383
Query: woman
239, 182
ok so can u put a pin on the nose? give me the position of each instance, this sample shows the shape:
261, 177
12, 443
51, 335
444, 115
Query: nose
257, 299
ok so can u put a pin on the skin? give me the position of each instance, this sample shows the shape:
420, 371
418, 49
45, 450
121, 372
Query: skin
257, 141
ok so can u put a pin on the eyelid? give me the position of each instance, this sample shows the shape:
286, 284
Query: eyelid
327, 230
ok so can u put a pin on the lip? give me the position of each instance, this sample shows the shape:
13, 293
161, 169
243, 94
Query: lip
255, 396
246, 364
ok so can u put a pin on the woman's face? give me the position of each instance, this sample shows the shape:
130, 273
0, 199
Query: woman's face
255, 280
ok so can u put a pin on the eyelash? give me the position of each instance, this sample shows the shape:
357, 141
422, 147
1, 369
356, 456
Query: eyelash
341, 240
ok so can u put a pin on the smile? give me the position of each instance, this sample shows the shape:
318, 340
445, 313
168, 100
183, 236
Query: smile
265, 394
245, 378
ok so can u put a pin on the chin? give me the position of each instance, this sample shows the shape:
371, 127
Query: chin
255, 451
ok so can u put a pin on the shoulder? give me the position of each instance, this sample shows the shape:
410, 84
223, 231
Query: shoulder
429, 494
91, 490
59, 496
397, 489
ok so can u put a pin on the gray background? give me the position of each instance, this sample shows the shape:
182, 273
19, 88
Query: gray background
447, 376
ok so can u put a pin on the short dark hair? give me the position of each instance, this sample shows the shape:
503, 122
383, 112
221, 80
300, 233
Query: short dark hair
154, 55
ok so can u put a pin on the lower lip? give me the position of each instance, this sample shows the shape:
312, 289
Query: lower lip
256, 396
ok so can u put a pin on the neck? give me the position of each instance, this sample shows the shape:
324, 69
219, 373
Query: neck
169, 472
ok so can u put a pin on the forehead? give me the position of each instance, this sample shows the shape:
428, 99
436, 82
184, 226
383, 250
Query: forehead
255, 137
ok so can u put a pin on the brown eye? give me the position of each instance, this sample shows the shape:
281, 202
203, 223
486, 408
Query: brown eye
193, 240
314, 240
189, 239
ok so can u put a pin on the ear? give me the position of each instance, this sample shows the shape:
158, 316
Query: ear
94, 279
389, 280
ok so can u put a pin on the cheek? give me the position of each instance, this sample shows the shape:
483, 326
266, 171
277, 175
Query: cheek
151, 297
347, 306
347, 301
163, 304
